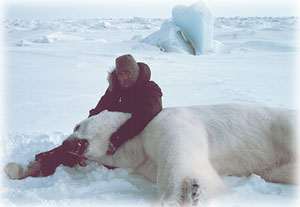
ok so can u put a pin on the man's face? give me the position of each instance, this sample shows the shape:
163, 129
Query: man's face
125, 79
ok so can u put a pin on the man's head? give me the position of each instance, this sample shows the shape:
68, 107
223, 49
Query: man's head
127, 70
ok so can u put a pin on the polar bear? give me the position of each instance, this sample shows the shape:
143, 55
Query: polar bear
185, 150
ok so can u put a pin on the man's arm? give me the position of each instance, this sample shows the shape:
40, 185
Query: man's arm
103, 104
151, 105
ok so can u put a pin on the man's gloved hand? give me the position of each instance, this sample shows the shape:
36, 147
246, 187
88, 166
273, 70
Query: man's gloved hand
73, 152
114, 143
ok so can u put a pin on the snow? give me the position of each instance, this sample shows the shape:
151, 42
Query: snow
56, 72
196, 22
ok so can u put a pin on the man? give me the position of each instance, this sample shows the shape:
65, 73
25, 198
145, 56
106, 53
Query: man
130, 90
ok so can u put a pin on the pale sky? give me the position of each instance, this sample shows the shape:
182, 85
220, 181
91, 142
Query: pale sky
56, 9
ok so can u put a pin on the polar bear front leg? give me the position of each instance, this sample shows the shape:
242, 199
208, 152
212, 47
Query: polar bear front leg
191, 192
187, 185
186, 190
185, 175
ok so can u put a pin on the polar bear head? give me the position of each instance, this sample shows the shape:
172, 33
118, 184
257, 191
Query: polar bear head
98, 129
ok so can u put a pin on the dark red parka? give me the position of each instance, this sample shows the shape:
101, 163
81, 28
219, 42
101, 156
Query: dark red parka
143, 101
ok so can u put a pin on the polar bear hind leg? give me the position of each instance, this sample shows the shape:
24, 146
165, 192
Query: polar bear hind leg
284, 142
281, 174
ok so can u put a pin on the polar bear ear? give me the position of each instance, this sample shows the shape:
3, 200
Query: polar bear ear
77, 127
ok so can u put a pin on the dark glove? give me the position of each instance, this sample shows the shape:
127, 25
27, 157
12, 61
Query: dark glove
73, 152
114, 143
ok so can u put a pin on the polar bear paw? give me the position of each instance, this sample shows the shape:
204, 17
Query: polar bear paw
190, 192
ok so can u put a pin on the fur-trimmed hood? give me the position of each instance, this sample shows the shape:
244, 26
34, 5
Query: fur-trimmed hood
144, 76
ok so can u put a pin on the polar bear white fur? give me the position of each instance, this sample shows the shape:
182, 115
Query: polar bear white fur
186, 150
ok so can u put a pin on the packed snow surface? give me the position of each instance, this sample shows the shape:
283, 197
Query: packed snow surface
56, 72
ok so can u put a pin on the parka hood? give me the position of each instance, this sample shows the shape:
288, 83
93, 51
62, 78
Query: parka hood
144, 76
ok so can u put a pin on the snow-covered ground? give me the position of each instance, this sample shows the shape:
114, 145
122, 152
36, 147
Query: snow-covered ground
55, 72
